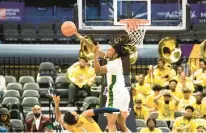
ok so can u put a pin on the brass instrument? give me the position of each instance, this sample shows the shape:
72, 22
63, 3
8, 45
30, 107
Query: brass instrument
169, 50
203, 50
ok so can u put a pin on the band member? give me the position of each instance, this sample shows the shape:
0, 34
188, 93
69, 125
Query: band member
82, 76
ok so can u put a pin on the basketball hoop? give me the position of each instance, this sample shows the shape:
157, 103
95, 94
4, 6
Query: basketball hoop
136, 29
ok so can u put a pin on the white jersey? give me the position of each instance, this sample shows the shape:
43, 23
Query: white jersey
115, 75
118, 95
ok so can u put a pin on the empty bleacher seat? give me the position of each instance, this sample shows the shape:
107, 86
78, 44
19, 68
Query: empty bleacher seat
178, 114
153, 115
10, 100
29, 102
161, 123
17, 125
31, 86
165, 129
44, 84
11, 36
139, 129
30, 93
140, 123
15, 114
47, 69
61, 88
45, 32
187, 37
15, 86
10, 79
28, 36
97, 85
90, 102
12, 93
26, 79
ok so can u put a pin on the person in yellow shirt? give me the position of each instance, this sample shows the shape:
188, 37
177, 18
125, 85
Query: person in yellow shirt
82, 76
200, 109
186, 123
167, 107
197, 76
136, 96
84, 122
164, 72
185, 82
172, 88
142, 87
188, 99
149, 100
151, 124
141, 112
180, 69
151, 79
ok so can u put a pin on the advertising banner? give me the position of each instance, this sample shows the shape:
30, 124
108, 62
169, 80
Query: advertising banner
11, 11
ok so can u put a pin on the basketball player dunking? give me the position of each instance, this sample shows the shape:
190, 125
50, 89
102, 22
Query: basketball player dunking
118, 95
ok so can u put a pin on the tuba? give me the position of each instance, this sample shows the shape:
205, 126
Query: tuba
86, 50
169, 50
203, 50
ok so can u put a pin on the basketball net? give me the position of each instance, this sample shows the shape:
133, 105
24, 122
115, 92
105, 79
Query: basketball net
135, 29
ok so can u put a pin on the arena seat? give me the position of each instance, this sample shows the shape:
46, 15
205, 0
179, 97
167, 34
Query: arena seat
17, 125
31, 93
12, 93
29, 102
31, 86
10, 100
45, 32
165, 129
11, 36
178, 114
28, 35
61, 88
47, 69
44, 84
140, 123
10, 79
96, 86
15, 114
161, 123
15, 86
29, 115
139, 129
26, 79
151, 38
187, 37
153, 115
90, 102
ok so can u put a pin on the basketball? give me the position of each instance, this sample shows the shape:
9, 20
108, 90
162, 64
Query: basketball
68, 28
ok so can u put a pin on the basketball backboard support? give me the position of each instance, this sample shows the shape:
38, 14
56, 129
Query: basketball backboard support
165, 18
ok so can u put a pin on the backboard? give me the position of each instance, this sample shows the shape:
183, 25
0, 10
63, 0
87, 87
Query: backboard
105, 17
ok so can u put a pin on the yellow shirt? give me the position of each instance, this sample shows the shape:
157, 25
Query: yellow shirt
144, 89
185, 102
181, 122
177, 94
155, 80
200, 110
149, 102
87, 73
85, 124
166, 72
166, 111
146, 130
141, 114
139, 96
188, 84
